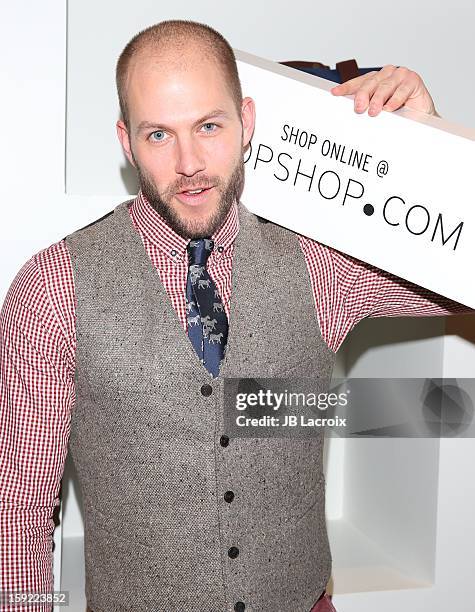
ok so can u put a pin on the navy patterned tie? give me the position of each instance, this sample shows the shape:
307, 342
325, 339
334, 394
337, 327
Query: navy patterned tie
206, 317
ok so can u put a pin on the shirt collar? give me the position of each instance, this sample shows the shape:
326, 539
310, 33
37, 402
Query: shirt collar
157, 231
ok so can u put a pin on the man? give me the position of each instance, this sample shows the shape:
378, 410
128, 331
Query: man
128, 366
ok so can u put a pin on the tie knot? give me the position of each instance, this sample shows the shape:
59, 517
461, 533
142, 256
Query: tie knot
199, 250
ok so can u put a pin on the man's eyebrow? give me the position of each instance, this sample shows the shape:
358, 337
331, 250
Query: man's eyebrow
217, 112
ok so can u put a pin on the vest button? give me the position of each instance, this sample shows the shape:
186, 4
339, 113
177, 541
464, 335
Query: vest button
229, 496
239, 606
206, 390
224, 440
233, 552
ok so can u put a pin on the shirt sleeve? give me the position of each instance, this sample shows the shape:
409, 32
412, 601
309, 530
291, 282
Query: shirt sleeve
347, 290
36, 398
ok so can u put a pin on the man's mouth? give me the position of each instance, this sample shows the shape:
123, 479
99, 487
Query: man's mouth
190, 192
194, 196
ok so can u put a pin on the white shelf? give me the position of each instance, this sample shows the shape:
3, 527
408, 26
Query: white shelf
360, 565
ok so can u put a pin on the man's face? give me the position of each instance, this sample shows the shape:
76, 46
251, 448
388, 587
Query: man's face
185, 134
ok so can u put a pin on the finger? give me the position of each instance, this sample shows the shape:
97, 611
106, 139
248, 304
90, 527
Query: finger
399, 97
391, 79
382, 93
351, 86
364, 94
409, 82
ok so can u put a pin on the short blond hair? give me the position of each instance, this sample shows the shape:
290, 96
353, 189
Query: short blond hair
177, 34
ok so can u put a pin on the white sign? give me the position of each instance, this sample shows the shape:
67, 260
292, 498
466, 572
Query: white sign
395, 190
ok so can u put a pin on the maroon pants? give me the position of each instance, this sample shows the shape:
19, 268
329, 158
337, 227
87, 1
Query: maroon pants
324, 604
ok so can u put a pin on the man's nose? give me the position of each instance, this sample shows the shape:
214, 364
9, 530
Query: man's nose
190, 159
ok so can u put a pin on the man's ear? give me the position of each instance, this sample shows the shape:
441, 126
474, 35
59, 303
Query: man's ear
123, 135
248, 117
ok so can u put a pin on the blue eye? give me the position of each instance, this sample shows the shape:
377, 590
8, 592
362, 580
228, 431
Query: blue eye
160, 133
208, 125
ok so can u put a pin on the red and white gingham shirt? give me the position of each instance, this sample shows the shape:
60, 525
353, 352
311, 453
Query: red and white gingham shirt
37, 362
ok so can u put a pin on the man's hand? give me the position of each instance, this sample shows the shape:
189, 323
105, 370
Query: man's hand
388, 89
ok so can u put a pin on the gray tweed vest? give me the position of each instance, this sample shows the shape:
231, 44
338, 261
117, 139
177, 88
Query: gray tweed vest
149, 443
